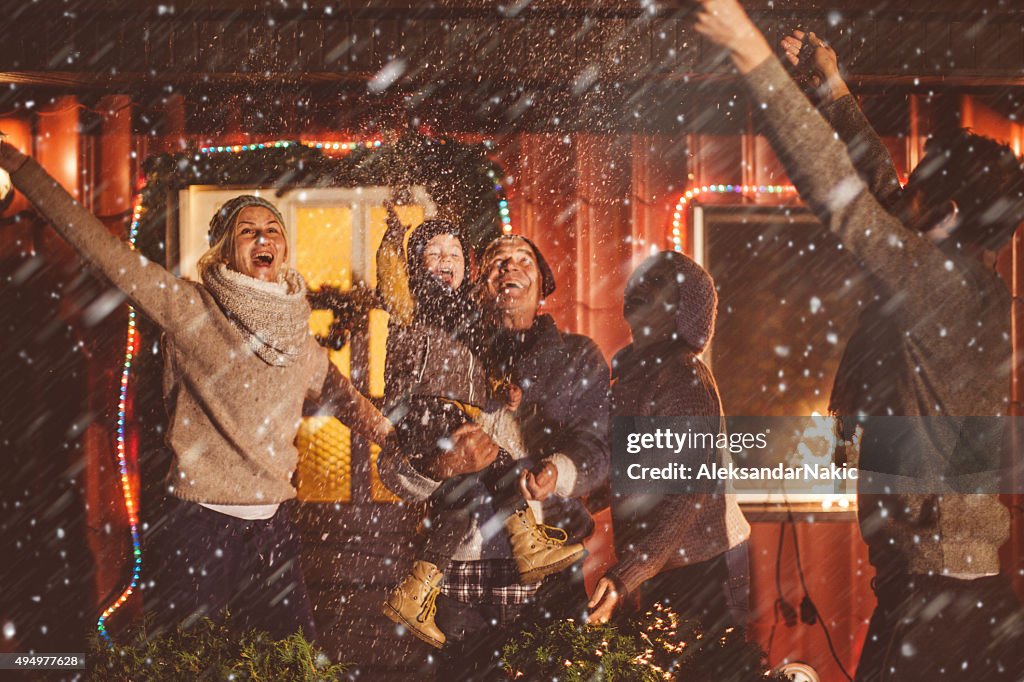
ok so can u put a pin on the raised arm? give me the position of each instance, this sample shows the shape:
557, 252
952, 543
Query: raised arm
392, 278
149, 286
819, 166
814, 58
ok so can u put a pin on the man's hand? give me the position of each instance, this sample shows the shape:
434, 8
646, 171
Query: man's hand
10, 158
816, 61
472, 451
726, 24
604, 602
539, 483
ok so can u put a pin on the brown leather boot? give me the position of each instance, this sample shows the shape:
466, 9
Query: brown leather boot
539, 550
412, 603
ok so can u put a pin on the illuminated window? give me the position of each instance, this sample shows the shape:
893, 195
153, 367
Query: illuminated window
333, 236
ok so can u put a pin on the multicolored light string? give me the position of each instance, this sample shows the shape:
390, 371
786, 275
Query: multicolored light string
346, 147
283, 144
130, 499
679, 214
131, 343
506, 220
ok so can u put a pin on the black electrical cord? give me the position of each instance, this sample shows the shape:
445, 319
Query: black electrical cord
781, 606
808, 611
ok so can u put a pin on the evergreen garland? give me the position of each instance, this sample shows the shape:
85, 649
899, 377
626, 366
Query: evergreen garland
210, 651
459, 178
653, 647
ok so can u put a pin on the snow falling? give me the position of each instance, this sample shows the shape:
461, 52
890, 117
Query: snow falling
607, 133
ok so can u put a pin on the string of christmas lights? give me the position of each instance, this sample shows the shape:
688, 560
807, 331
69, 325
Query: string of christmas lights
344, 148
130, 499
283, 144
752, 191
132, 338
503, 212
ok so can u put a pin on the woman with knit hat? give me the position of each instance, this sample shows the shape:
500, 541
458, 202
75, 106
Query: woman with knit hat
240, 362
686, 551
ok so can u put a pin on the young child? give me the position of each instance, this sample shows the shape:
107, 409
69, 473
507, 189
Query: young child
424, 426
435, 382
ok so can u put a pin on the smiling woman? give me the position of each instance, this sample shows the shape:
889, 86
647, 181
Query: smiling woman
248, 235
240, 369
260, 244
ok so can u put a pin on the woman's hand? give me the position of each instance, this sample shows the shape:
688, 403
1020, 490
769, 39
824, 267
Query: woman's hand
726, 24
813, 57
10, 158
539, 484
604, 602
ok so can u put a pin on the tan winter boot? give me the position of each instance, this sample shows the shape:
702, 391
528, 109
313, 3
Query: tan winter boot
539, 550
412, 603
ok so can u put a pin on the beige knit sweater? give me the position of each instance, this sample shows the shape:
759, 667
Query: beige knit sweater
233, 417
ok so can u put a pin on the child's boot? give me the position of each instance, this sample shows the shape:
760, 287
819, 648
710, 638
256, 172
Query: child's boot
412, 603
539, 550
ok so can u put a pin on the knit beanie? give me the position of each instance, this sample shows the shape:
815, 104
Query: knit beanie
547, 277
698, 301
225, 217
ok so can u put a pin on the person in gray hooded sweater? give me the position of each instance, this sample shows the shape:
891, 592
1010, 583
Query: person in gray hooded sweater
934, 343
688, 551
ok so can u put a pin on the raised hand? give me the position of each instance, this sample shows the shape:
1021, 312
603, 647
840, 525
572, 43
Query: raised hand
393, 223
817, 63
726, 24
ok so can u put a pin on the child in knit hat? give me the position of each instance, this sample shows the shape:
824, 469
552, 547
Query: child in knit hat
437, 385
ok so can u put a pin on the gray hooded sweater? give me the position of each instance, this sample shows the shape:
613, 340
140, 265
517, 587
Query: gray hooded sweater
656, 533
939, 327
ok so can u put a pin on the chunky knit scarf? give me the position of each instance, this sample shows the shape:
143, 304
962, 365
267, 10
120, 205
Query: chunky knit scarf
273, 316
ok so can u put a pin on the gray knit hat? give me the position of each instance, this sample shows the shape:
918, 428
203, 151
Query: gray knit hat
698, 300
225, 216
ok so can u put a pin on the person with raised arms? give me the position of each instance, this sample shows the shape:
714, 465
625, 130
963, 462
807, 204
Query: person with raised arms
240, 367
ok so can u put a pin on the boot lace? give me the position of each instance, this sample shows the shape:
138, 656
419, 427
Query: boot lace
551, 535
554, 534
429, 606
